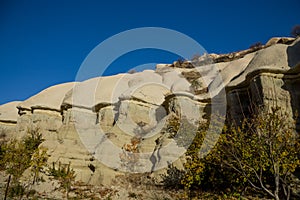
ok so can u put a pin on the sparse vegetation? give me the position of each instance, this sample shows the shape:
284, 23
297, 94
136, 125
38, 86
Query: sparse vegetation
172, 179
201, 60
182, 63
2, 134
38, 162
33, 139
263, 152
256, 158
2, 154
132, 195
295, 31
256, 46
132, 71
19, 155
65, 174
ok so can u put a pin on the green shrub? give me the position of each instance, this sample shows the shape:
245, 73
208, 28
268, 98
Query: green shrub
16, 190
65, 174
256, 46
172, 179
16, 158
261, 156
263, 152
38, 162
295, 31
33, 139
16, 155
2, 153
19, 155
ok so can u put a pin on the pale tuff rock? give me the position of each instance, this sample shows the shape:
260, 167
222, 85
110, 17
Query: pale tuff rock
270, 79
8, 119
107, 90
9, 112
101, 120
92, 92
228, 73
49, 99
280, 40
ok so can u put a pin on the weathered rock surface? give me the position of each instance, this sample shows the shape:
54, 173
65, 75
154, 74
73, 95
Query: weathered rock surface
8, 119
271, 79
120, 123
9, 112
49, 99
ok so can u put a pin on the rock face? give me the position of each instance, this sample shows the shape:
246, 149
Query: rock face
119, 123
42, 110
9, 113
271, 79
8, 119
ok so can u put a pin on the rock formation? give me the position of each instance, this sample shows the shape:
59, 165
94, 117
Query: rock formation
118, 124
8, 119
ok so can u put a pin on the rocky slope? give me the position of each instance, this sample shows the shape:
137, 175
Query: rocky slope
98, 122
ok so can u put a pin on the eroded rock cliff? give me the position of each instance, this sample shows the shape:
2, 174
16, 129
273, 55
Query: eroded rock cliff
119, 123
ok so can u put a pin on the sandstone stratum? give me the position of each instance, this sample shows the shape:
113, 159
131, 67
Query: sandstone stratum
90, 124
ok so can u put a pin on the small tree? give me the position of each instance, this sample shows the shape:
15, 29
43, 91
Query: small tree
172, 178
256, 46
264, 152
194, 165
65, 174
295, 31
38, 162
18, 155
16, 159
33, 139
2, 153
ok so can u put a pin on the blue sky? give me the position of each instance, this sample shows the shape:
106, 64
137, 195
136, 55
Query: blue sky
43, 43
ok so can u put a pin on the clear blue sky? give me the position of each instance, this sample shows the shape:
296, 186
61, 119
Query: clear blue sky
43, 43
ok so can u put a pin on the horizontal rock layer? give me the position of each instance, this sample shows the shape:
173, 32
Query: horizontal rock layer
100, 122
